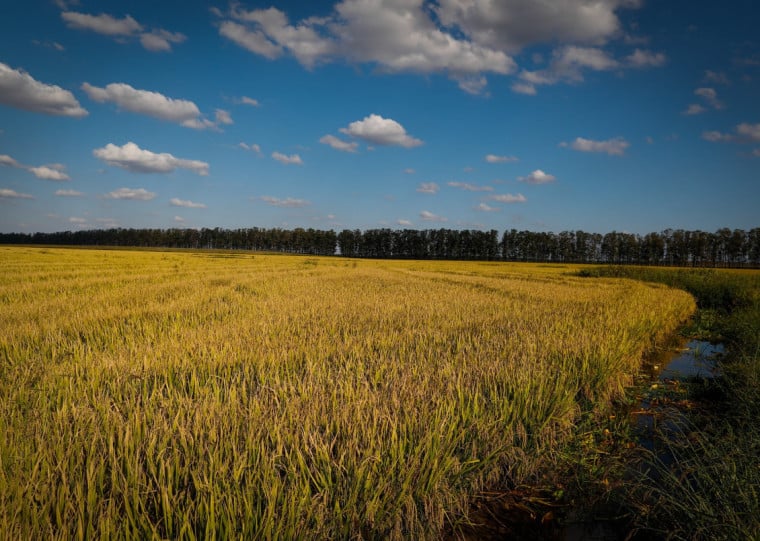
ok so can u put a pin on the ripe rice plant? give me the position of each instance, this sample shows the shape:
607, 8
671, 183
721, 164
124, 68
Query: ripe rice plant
205, 395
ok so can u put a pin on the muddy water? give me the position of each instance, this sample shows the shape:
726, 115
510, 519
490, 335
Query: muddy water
696, 358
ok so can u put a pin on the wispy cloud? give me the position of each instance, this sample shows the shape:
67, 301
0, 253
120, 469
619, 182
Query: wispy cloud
339, 144
493, 158
470, 187
428, 216
428, 187
288, 202
135, 194
613, 147
6, 193
175, 202
293, 159
508, 198
156, 40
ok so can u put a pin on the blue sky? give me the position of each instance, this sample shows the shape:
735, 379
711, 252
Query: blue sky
627, 115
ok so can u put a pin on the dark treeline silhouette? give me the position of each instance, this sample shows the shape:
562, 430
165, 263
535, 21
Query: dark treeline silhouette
723, 248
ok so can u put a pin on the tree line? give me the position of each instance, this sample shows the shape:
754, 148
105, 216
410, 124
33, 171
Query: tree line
724, 247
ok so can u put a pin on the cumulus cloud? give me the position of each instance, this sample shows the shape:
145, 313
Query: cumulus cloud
493, 158
511, 25
288, 202
428, 187
55, 171
136, 160
52, 171
483, 207
398, 36
404, 223
716, 77
538, 177
339, 144
155, 104
567, 65
19, 89
154, 40
381, 131
175, 202
428, 216
6, 193
613, 147
508, 198
293, 159
68, 193
135, 194
470, 187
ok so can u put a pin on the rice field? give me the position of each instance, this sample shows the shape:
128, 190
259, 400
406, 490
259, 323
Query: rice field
226, 395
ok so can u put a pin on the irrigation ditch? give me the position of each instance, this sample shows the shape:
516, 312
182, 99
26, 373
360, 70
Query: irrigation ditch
679, 456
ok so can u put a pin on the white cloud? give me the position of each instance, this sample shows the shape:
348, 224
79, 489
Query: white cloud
567, 65
155, 40
404, 223
8, 161
254, 41
710, 96
716, 77
136, 194
694, 109
5, 193
223, 117
613, 147
511, 25
493, 158
397, 35
175, 202
179, 219
161, 40
77, 220
428, 187
483, 207
339, 144
68, 193
19, 89
252, 147
538, 177
470, 187
428, 216
102, 24
524, 88
245, 100
750, 131
54, 171
155, 104
508, 198
293, 159
715, 136
136, 160
745, 133
381, 131
288, 202
646, 59
409, 171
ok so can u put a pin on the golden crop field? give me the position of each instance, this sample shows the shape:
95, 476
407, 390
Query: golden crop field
243, 396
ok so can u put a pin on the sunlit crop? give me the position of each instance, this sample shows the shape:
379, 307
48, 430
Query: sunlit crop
232, 395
